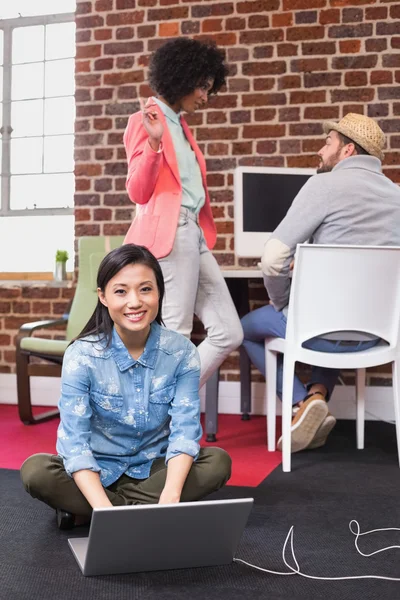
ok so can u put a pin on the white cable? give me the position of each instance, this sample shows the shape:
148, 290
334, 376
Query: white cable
296, 571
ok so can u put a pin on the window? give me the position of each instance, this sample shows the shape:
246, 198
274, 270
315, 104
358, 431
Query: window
37, 111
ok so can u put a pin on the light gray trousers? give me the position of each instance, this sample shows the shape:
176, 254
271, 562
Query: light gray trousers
194, 285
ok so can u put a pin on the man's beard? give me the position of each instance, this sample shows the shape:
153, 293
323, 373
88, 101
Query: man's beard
327, 167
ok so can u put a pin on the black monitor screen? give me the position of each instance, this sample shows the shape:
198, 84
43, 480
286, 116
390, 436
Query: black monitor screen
267, 198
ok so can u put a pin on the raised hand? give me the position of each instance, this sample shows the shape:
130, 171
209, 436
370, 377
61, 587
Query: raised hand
152, 124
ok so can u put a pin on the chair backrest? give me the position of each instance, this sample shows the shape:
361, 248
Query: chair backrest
91, 251
345, 288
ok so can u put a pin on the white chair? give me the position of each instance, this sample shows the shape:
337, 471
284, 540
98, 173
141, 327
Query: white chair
337, 288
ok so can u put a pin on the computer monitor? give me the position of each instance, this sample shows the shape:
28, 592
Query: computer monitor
262, 197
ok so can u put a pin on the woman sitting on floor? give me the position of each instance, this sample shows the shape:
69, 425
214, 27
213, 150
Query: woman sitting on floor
129, 407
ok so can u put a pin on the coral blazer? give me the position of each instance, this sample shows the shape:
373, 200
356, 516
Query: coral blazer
154, 184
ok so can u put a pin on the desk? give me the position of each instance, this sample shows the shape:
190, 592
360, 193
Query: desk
238, 284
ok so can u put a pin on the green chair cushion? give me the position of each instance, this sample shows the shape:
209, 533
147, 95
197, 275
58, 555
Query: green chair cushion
44, 346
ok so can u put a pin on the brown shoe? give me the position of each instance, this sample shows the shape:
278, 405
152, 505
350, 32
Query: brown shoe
306, 422
322, 434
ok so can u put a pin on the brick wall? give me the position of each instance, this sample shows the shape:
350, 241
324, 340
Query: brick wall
293, 64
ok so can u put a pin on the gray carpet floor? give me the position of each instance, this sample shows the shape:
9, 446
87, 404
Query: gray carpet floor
324, 491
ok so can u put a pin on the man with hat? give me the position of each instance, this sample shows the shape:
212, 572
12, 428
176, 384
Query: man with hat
349, 201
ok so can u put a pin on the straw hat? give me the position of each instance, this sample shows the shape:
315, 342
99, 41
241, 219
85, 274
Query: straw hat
362, 130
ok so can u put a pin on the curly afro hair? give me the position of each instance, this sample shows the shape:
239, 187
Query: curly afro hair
181, 65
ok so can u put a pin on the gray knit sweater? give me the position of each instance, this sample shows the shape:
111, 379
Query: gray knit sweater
353, 204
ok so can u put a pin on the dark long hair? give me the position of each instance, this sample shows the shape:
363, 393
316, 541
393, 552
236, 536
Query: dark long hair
100, 323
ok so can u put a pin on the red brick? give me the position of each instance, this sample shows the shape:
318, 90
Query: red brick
302, 161
391, 60
133, 17
303, 4
263, 131
318, 48
81, 185
82, 214
389, 93
266, 147
264, 114
379, 77
5, 340
264, 68
103, 5
352, 15
88, 51
115, 228
89, 22
41, 308
215, 117
217, 133
263, 51
306, 17
313, 32
40, 292
87, 199
123, 48
287, 49
125, 33
378, 110
356, 78
82, 66
241, 148
262, 36
240, 116
167, 14
312, 80
5, 307
321, 112
238, 54
168, 29
257, 6
262, 161
305, 97
190, 27
308, 65
217, 149
10, 292
289, 146
376, 13
351, 31
310, 145
257, 22
87, 80
329, 16
355, 62
103, 64
353, 95
239, 85
125, 4
83, 8
123, 78
235, 24
146, 31
88, 170
209, 25
376, 45
103, 34
263, 99
303, 129
102, 214
263, 83
282, 19
289, 82
289, 114
350, 46
215, 180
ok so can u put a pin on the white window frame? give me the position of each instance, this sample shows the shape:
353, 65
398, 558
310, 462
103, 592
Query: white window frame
7, 26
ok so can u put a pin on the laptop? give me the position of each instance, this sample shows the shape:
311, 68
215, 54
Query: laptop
155, 537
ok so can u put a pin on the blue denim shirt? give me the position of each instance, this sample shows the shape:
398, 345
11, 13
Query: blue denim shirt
119, 414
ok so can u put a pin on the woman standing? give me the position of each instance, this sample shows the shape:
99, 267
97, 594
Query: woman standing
129, 406
167, 180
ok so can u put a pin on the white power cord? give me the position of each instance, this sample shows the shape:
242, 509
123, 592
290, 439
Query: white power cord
296, 570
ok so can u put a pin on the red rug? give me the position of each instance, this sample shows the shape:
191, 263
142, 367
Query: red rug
244, 440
